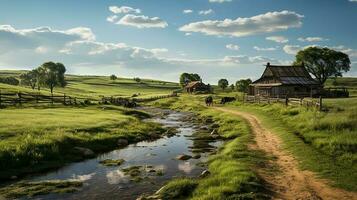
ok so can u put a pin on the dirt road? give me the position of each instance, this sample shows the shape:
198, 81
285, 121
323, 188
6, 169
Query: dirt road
288, 182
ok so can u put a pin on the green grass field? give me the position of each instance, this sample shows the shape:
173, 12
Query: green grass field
33, 139
95, 86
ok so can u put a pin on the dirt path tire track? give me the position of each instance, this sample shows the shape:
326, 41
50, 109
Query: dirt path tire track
290, 182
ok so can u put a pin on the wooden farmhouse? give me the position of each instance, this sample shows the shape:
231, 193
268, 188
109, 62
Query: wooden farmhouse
285, 81
197, 86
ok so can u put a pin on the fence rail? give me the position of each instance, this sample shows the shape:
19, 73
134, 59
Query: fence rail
19, 98
306, 102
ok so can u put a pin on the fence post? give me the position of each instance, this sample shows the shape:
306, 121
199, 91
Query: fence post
286, 100
320, 103
36, 96
19, 95
75, 100
0, 99
64, 98
52, 98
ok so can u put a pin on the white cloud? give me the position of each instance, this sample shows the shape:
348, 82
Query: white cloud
232, 47
123, 9
141, 21
312, 39
264, 49
293, 49
206, 12
278, 39
41, 49
219, 1
112, 18
352, 0
264, 23
188, 34
82, 53
187, 11
41, 40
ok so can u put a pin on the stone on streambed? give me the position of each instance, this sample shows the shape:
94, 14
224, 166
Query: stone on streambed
123, 142
183, 157
85, 151
110, 162
214, 132
205, 174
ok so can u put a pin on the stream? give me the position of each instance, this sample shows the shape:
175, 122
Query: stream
110, 182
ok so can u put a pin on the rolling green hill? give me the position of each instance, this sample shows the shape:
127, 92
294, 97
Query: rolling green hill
96, 86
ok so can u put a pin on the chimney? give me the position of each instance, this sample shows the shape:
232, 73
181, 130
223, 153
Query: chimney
268, 64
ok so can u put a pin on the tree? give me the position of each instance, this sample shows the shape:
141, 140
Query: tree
113, 77
242, 85
323, 62
52, 75
223, 83
137, 79
232, 87
29, 79
186, 78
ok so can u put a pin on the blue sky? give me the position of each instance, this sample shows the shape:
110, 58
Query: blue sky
163, 38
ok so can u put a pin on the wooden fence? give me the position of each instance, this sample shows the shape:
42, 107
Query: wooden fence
19, 98
132, 102
307, 102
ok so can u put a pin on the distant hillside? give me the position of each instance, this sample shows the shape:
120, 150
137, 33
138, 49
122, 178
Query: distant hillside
95, 86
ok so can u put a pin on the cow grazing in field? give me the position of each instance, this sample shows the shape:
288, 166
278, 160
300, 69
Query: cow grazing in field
227, 99
209, 101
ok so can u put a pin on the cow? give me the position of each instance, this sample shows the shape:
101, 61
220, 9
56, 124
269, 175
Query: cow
209, 101
227, 99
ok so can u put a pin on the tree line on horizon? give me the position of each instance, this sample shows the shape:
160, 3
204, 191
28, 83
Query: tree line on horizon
321, 62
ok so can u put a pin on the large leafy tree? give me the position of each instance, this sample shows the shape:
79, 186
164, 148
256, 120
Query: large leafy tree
187, 77
242, 85
29, 78
223, 83
323, 62
52, 75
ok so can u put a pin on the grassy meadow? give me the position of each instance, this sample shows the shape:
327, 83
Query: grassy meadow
38, 137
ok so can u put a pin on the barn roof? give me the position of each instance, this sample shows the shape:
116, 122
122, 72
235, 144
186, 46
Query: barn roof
287, 75
192, 84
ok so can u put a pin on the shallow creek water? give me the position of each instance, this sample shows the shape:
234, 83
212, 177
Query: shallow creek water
103, 182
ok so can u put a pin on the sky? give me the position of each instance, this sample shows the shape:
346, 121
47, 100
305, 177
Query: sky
161, 39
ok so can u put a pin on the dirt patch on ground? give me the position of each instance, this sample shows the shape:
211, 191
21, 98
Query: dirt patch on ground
282, 175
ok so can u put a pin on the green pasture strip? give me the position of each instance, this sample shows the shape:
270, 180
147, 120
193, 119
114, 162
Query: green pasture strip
323, 142
34, 139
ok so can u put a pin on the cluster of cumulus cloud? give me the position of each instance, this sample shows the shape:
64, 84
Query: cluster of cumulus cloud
79, 47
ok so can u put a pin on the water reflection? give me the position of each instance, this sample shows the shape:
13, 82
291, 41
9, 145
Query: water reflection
103, 182
186, 167
116, 176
